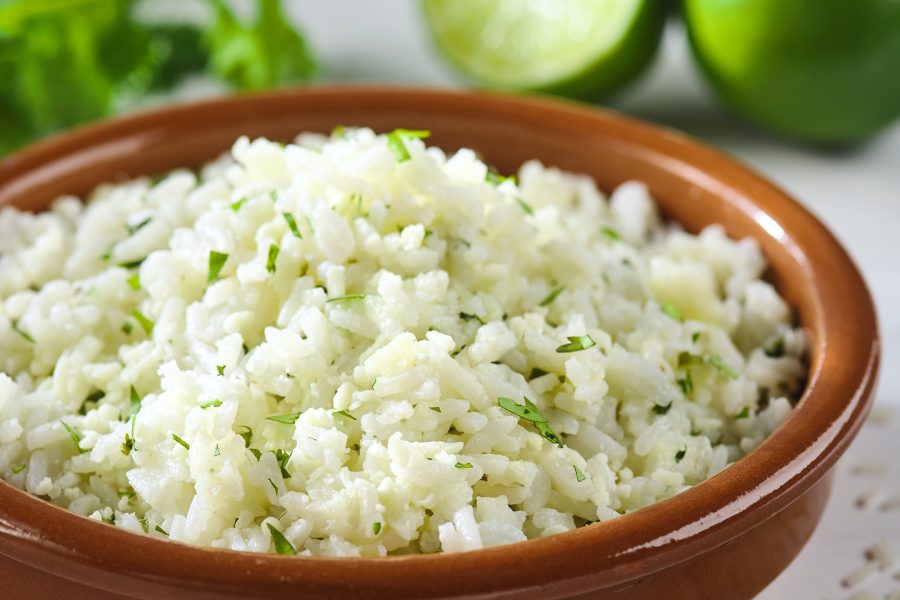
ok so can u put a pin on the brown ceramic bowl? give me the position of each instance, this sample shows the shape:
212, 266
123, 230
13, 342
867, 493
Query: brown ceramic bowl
727, 537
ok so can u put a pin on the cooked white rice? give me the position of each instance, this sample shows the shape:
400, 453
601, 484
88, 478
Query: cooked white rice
413, 295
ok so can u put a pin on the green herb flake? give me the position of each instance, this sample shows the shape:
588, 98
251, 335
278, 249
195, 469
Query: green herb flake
274, 487
282, 546
145, 525
346, 298
214, 403
283, 458
396, 139
579, 475
145, 323
342, 413
126, 494
236, 206
134, 282
775, 349
686, 383
661, 409
217, 452
133, 229
181, 442
288, 419
530, 413
127, 327
670, 310
76, 437
135, 402
576, 343
436, 409
535, 373
680, 454
470, 317
495, 178
292, 224
717, 362
611, 233
745, 412
216, 262
695, 337
272, 258
247, 435
107, 253
376, 527
462, 465
161, 530
127, 445
16, 469
25, 336
525, 206
220, 369
339, 132
548, 300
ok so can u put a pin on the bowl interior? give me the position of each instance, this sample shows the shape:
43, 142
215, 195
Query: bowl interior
694, 185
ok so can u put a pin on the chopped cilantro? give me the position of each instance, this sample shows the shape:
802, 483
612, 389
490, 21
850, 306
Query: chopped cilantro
495, 178
145, 323
127, 327
216, 262
775, 349
346, 298
283, 457
247, 435
686, 383
217, 452
611, 233
220, 369
16, 469
525, 206
288, 419
161, 530
576, 343
396, 138
134, 282
462, 465
342, 413
716, 362
272, 258
470, 317
579, 475
15, 326
236, 206
745, 412
135, 402
436, 409
535, 373
671, 310
530, 413
695, 337
376, 527
133, 229
661, 409
292, 224
181, 441
274, 487
76, 437
214, 403
548, 300
282, 546
680, 454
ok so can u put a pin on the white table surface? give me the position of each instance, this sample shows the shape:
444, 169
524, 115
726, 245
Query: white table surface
856, 193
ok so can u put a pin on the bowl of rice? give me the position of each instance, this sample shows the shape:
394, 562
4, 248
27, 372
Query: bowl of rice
398, 343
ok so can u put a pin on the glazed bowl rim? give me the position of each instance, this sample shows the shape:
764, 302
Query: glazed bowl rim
711, 513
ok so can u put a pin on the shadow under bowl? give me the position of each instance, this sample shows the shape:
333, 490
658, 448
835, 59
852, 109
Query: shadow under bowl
731, 534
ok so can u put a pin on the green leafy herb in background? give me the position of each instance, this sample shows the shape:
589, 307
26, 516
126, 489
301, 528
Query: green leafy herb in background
65, 62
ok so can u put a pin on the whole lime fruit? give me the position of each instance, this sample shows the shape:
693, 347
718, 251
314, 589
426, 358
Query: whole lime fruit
578, 48
818, 70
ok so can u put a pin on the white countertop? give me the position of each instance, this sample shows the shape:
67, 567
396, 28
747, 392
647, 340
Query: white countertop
857, 194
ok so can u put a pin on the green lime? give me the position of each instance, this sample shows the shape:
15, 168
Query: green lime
818, 70
579, 48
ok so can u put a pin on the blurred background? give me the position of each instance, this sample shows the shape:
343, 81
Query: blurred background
805, 91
